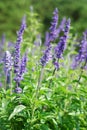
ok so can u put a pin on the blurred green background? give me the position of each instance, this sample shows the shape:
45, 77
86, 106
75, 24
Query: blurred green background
11, 12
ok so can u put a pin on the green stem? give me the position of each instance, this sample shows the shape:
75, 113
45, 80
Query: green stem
39, 81
52, 75
11, 82
81, 73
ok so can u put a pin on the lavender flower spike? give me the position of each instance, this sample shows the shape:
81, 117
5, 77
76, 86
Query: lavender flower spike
17, 47
22, 70
53, 31
82, 54
61, 45
23, 64
58, 51
61, 26
46, 57
7, 62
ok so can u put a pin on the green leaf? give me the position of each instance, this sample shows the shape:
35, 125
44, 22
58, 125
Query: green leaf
17, 109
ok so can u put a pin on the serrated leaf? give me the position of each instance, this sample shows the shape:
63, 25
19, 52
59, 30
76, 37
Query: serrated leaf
17, 109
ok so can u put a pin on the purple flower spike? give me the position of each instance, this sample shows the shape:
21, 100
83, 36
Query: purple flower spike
22, 70
17, 47
23, 27
8, 63
82, 54
62, 43
17, 59
46, 57
59, 49
61, 26
23, 66
53, 30
56, 65
67, 27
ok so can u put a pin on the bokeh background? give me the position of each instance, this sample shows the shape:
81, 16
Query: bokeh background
11, 12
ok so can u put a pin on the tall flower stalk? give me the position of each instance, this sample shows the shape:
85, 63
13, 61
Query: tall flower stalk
17, 58
61, 26
81, 57
59, 49
8, 63
53, 27
50, 37
52, 34
43, 61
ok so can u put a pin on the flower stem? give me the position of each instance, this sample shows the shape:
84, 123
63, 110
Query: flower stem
11, 82
81, 73
39, 81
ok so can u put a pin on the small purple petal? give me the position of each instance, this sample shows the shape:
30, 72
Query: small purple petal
18, 90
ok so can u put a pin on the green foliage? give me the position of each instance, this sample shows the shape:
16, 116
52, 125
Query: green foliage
60, 104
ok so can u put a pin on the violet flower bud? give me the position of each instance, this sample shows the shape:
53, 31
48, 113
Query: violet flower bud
18, 90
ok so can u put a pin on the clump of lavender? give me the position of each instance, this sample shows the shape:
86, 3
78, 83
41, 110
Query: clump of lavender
59, 49
53, 28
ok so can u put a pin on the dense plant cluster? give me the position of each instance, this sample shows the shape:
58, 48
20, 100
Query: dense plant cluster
43, 86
